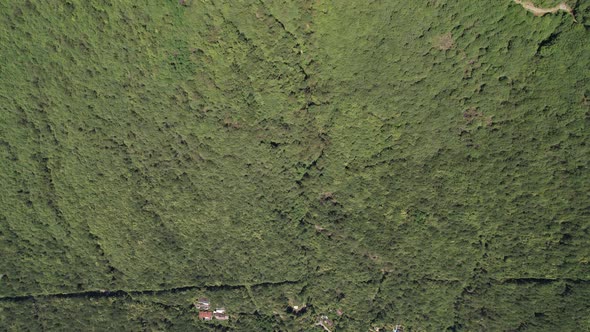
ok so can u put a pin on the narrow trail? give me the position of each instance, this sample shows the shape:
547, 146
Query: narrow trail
538, 11
248, 287
136, 292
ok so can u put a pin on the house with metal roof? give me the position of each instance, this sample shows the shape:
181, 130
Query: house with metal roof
202, 304
205, 315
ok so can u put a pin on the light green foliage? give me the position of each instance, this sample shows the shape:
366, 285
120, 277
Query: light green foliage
422, 163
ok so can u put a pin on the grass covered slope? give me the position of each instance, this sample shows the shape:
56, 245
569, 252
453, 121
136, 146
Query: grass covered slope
422, 163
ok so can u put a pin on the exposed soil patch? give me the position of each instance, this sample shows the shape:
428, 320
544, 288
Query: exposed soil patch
444, 42
473, 114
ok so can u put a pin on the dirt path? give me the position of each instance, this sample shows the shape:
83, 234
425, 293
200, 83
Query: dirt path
538, 11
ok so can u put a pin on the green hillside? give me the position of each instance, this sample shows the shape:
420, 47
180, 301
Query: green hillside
422, 163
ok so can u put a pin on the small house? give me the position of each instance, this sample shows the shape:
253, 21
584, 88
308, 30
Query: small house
220, 314
205, 315
202, 304
326, 321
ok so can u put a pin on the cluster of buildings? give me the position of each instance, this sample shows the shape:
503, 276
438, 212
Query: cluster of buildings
205, 313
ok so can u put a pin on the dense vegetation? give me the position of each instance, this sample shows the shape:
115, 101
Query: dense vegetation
422, 163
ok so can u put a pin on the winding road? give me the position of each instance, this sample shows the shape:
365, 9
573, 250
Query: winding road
538, 11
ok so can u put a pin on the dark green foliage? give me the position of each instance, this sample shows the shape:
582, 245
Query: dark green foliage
422, 163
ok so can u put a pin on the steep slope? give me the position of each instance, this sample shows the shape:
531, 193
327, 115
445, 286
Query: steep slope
420, 163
